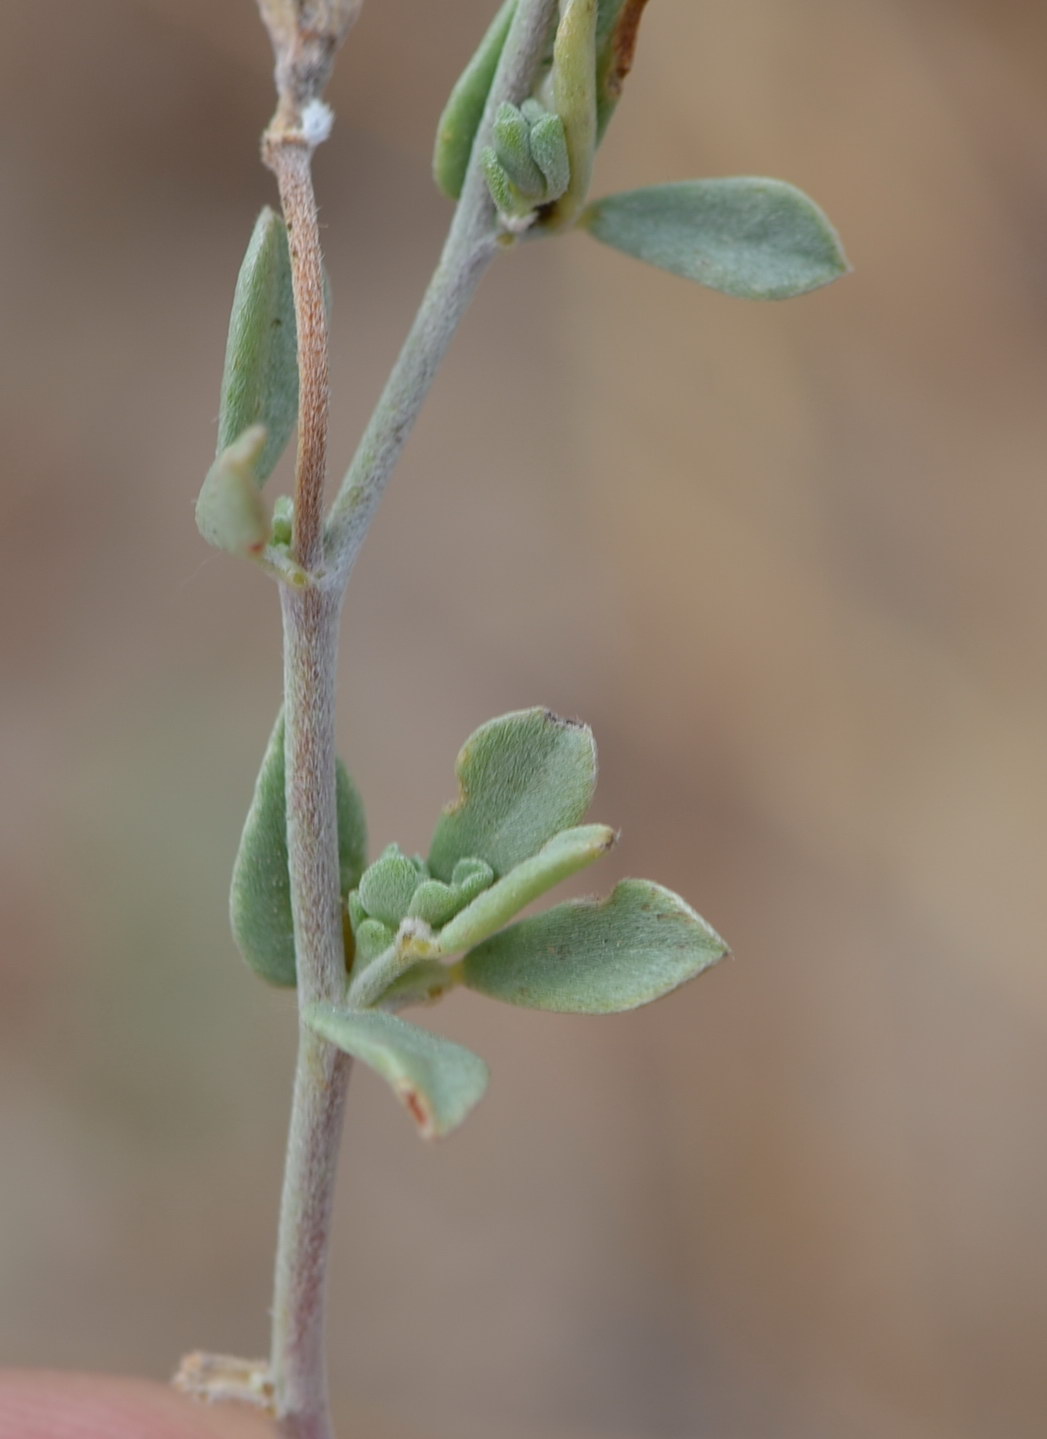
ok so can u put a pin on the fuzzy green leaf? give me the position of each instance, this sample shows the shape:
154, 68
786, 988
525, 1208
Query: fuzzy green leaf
574, 90
548, 142
230, 511
510, 202
563, 855
596, 956
616, 30
456, 131
522, 778
260, 897
758, 239
387, 886
512, 143
439, 1082
260, 382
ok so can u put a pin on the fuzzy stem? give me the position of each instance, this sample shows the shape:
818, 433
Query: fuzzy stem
472, 243
311, 617
289, 156
322, 1075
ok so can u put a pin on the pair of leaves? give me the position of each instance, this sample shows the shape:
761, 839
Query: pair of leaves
259, 404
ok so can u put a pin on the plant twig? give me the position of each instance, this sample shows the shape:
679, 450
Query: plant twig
288, 153
472, 243
311, 616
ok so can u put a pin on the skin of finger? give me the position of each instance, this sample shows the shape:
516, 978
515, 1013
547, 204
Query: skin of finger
40, 1404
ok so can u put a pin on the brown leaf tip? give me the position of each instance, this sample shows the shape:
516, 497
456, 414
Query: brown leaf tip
623, 45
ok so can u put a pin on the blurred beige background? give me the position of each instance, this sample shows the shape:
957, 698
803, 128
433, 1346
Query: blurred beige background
787, 560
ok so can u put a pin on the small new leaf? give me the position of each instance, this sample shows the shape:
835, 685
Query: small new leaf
512, 144
260, 381
522, 778
596, 956
439, 1082
563, 855
755, 238
260, 896
456, 132
230, 511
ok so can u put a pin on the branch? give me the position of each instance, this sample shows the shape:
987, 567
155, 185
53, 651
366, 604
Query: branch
472, 243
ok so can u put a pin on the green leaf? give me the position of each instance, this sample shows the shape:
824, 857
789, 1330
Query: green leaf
574, 90
510, 202
549, 147
373, 938
435, 902
260, 382
456, 131
522, 778
438, 1081
563, 855
260, 897
759, 239
230, 512
387, 886
616, 31
596, 956
512, 143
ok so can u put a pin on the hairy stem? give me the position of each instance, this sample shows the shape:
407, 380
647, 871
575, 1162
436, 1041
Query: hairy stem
289, 156
322, 1075
311, 616
471, 245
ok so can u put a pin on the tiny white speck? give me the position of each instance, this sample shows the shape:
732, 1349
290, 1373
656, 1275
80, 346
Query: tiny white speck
317, 120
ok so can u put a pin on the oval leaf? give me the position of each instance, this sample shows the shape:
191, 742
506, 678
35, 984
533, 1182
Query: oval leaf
565, 854
260, 896
759, 239
596, 956
522, 778
464, 110
260, 381
438, 1081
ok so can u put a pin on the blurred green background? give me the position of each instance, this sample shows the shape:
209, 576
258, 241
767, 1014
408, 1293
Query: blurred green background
786, 560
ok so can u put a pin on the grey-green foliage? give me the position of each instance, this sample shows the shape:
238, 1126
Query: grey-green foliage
522, 778
525, 779
607, 30
597, 956
260, 380
560, 857
574, 93
439, 1082
456, 131
260, 896
230, 511
756, 238
398, 887
528, 165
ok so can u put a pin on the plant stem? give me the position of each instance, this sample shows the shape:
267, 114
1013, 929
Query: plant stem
290, 158
322, 1074
311, 617
472, 243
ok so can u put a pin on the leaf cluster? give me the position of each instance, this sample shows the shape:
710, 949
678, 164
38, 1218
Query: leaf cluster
744, 235
417, 927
